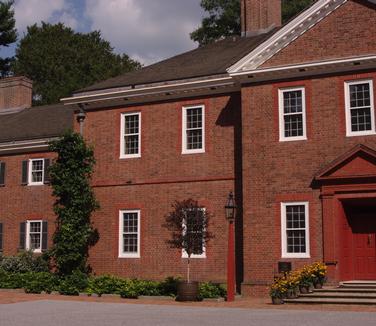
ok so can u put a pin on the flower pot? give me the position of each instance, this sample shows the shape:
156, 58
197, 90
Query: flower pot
291, 294
317, 285
277, 300
303, 289
310, 288
187, 291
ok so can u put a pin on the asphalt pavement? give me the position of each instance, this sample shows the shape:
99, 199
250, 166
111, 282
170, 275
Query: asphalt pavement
70, 313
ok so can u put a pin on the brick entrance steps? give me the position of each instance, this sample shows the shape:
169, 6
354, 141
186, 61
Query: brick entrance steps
353, 292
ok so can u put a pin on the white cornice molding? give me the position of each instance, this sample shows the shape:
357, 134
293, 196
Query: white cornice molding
286, 35
23, 146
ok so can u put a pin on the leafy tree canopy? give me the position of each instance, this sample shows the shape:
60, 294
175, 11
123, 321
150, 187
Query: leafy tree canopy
60, 61
8, 33
75, 202
224, 18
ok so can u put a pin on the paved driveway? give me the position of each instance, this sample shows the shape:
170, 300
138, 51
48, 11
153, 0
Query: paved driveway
70, 313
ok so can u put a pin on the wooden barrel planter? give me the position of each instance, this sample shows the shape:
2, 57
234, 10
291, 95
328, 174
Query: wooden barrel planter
187, 291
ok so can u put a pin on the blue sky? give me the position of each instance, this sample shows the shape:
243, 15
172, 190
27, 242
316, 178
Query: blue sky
147, 30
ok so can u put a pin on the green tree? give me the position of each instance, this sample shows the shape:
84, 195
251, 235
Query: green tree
60, 61
8, 33
75, 202
224, 18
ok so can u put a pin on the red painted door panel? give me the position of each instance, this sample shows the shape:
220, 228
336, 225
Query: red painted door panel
358, 242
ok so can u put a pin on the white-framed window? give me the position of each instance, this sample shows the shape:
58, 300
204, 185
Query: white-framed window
193, 129
34, 235
130, 138
129, 234
36, 171
199, 250
360, 109
292, 114
295, 229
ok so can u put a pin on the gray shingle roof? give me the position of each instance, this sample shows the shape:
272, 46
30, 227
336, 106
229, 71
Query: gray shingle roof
36, 123
209, 60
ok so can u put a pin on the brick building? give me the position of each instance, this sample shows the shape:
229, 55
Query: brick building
284, 116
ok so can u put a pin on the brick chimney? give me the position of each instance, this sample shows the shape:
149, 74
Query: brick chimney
260, 16
15, 93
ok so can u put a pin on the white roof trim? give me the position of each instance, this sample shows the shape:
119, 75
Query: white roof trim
286, 35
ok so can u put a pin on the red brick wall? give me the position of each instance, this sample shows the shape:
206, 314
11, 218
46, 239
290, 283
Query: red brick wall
344, 33
161, 176
15, 92
276, 171
19, 203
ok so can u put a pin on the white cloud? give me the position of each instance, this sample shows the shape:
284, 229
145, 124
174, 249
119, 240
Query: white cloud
146, 30
29, 12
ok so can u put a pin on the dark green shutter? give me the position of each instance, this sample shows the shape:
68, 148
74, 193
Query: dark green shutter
22, 236
1, 237
44, 235
25, 165
46, 170
2, 174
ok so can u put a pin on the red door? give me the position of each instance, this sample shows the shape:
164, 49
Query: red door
358, 252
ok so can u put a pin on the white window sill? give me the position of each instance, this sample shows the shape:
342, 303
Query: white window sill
292, 139
35, 251
361, 133
194, 257
129, 256
124, 157
305, 256
193, 151
36, 184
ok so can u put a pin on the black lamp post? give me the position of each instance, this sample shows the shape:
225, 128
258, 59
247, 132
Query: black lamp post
230, 210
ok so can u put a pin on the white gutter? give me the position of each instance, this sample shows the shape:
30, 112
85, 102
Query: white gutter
151, 90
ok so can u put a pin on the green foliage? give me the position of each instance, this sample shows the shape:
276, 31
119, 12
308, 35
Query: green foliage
291, 8
23, 263
223, 18
60, 61
129, 291
8, 33
74, 283
39, 282
75, 201
105, 284
11, 280
211, 290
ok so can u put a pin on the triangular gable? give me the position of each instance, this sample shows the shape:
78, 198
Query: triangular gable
286, 35
360, 162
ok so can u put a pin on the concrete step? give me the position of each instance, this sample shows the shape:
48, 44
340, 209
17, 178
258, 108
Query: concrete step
345, 290
347, 295
341, 301
357, 286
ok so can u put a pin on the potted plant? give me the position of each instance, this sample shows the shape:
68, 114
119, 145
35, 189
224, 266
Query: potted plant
278, 290
292, 280
319, 272
306, 280
188, 223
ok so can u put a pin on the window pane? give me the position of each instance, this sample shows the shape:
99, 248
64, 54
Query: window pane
194, 229
131, 144
294, 125
361, 119
130, 244
360, 95
130, 223
194, 139
131, 124
35, 226
194, 118
292, 101
296, 242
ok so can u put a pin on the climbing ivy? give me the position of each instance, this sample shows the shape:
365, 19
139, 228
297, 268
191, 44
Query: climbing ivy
70, 176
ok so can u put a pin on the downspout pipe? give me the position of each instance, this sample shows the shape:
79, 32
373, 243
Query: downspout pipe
81, 116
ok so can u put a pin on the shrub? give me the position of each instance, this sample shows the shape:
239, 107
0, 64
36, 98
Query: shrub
73, 284
38, 282
11, 280
23, 263
211, 290
105, 284
129, 290
169, 286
